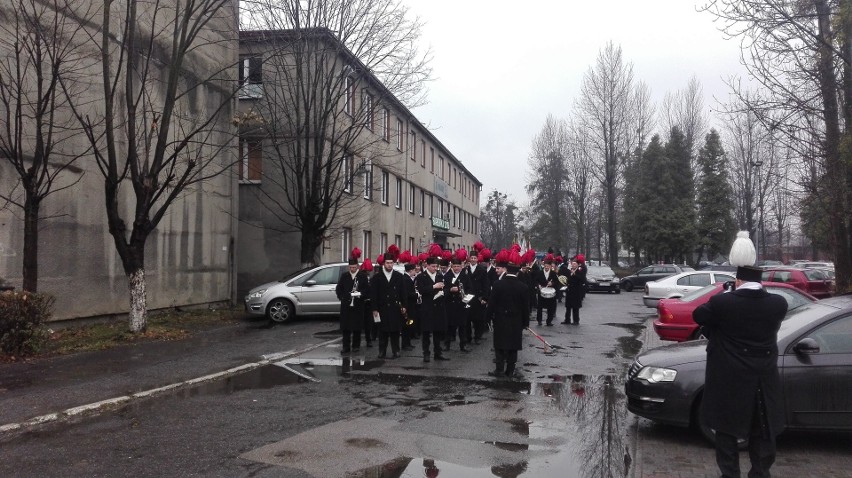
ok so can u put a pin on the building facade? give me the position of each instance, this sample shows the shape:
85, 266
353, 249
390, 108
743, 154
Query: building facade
189, 257
400, 185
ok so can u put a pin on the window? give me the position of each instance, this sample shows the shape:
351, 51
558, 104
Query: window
384, 186
432, 154
411, 196
367, 104
397, 239
413, 145
383, 242
399, 134
251, 160
398, 193
367, 242
347, 174
411, 245
251, 77
423, 153
368, 179
441, 172
441, 208
349, 96
834, 337
422, 202
431, 206
385, 124
346, 244
699, 280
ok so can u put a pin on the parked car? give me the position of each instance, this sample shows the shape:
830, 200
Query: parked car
602, 278
665, 384
718, 267
814, 265
306, 292
813, 281
768, 263
679, 284
674, 316
653, 272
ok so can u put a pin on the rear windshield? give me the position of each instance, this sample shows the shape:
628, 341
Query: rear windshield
698, 293
814, 274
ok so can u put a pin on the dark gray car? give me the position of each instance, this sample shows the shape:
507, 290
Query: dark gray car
814, 359
652, 272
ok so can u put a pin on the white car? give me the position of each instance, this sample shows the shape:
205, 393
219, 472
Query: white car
679, 284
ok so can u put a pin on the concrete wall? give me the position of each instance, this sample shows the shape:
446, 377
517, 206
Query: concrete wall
189, 257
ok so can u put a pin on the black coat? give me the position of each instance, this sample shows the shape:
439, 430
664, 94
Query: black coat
742, 355
576, 289
480, 287
411, 294
352, 317
509, 310
388, 298
433, 314
456, 310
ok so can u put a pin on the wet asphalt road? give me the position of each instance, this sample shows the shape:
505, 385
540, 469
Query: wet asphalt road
311, 413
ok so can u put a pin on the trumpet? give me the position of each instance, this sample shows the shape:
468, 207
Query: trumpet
354, 293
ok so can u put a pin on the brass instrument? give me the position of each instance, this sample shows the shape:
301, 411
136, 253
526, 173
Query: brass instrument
354, 292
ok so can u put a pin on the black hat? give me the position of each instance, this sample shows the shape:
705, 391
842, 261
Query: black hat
749, 273
432, 260
409, 266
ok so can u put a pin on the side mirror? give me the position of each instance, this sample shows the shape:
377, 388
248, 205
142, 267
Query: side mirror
310, 283
806, 346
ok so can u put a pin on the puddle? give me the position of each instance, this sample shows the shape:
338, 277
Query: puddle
405, 467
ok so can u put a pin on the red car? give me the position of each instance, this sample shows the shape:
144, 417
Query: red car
674, 316
813, 281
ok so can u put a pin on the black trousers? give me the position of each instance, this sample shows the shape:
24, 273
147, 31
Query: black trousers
505, 358
572, 313
546, 304
761, 447
351, 339
426, 342
384, 338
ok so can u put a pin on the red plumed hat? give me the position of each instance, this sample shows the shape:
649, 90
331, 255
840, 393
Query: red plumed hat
502, 258
353, 256
461, 254
548, 259
447, 255
367, 265
422, 257
380, 259
435, 250
515, 259
485, 255
516, 248
478, 246
393, 252
528, 257
580, 258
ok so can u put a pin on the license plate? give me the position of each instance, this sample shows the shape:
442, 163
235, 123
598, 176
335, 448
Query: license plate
604, 284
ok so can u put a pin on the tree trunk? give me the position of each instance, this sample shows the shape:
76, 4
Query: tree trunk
30, 268
309, 245
138, 300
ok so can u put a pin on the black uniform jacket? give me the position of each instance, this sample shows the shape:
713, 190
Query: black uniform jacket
480, 285
576, 289
433, 315
509, 309
742, 355
542, 279
388, 297
352, 316
455, 307
411, 293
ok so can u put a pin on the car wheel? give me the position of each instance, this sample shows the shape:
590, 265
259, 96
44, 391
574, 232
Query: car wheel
280, 310
708, 433
627, 286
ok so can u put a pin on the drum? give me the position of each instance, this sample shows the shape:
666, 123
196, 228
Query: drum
547, 292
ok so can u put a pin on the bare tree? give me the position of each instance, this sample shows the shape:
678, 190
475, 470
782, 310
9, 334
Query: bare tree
606, 112
548, 182
333, 71
685, 109
38, 132
158, 125
499, 221
799, 52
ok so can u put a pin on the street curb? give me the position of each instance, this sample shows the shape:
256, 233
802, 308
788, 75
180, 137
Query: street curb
124, 399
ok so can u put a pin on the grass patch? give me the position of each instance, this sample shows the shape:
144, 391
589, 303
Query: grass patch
162, 326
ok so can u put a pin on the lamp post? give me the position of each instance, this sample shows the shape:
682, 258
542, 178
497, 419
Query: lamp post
758, 242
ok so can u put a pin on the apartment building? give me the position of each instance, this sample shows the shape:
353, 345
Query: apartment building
397, 183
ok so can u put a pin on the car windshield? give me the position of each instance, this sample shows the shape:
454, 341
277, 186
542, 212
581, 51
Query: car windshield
698, 293
803, 315
815, 274
598, 271
686, 269
294, 274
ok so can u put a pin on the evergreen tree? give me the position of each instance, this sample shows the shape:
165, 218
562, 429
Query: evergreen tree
679, 195
716, 224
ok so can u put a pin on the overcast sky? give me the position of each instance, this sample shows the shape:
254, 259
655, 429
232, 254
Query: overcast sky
500, 67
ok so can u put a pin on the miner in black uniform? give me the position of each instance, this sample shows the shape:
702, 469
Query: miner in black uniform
479, 288
412, 324
456, 286
742, 392
389, 304
433, 315
353, 287
509, 310
547, 279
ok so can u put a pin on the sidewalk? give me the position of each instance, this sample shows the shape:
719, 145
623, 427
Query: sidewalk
51, 389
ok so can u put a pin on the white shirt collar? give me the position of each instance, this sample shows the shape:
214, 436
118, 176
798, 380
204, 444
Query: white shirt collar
750, 286
387, 274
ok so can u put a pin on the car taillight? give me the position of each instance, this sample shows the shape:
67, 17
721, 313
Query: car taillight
663, 313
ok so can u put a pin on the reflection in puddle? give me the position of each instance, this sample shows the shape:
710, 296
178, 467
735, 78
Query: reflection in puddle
405, 467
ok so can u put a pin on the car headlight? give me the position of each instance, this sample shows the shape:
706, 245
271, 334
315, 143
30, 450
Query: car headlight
615, 279
256, 294
592, 280
657, 374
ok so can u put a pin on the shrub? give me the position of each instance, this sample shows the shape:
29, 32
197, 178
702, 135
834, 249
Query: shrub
22, 319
